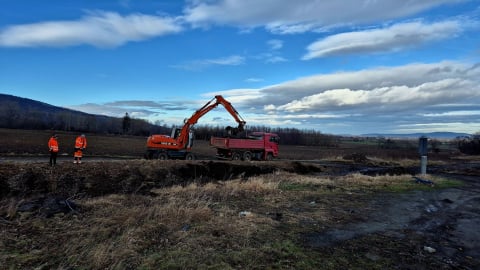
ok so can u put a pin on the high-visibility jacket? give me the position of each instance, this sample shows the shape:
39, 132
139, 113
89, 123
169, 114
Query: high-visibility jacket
53, 144
81, 142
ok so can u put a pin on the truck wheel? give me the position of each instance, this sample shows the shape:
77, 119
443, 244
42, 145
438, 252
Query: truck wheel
269, 157
247, 156
236, 156
162, 156
190, 156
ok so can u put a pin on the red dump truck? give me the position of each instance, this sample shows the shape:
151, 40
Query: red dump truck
258, 146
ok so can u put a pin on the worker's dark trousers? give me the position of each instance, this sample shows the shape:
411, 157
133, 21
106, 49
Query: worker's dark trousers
53, 158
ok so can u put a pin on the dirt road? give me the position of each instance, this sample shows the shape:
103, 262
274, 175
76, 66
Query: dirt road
442, 224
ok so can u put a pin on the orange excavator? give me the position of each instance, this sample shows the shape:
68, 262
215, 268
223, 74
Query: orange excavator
179, 144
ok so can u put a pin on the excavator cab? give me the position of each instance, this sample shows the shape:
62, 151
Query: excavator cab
175, 132
191, 136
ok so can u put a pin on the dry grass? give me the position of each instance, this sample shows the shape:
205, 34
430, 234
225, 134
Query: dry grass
245, 223
140, 214
127, 230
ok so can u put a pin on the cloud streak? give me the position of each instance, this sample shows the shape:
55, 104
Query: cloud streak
385, 98
401, 95
393, 38
288, 17
99, 29
197, 65
410, 98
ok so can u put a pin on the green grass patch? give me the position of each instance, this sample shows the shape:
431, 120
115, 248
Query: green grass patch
438, 183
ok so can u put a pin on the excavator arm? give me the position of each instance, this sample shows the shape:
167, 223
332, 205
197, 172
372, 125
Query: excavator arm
181, 141
213, 103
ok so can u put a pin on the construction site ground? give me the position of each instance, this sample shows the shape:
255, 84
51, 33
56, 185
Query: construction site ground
350, 212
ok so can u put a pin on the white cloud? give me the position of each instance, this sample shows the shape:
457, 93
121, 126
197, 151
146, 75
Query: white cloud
102, 109
467, 127
440, 96
99, 29
452, 113
464, 80
392, 38
275, 44
237, 96
254, 80
233, 60
275, 59
269, 107
286, 16
270, 57
387, 96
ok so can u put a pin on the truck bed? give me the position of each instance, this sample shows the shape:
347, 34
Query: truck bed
231, 143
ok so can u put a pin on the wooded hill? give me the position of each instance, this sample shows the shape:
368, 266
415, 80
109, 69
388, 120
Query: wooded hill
24, 113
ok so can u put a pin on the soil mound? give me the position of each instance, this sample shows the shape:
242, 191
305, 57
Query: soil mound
122, 177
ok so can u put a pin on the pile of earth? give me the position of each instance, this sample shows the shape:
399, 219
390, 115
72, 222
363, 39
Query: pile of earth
46, 190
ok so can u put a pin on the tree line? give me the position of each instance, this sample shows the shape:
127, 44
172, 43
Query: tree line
469, 145
19, 113
290, 136
18, 116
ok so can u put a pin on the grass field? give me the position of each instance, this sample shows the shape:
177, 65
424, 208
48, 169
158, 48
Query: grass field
206, 214
33, 142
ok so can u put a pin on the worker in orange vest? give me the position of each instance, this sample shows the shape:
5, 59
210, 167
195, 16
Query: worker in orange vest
53, 148
80, 145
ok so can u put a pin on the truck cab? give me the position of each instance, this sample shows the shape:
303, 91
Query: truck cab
270, 140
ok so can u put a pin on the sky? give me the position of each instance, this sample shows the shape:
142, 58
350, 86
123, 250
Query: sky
336, 66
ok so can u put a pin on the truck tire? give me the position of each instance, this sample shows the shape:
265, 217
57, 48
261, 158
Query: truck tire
247, 156
269, 157
236, 156
148, 155
162, 156
189, 156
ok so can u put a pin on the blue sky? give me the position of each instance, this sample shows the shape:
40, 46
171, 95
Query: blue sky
340, 67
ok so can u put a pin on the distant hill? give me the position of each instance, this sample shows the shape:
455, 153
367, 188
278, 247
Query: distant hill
23, 113
435, 135
27, 105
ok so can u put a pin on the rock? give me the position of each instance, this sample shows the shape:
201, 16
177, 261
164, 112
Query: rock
245, 214
447, 200
429, 249
48, 206
431, 208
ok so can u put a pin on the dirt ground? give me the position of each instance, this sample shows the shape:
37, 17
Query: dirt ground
297, 225
445, 221
420, 229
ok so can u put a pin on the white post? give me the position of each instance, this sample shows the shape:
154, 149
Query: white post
423, 164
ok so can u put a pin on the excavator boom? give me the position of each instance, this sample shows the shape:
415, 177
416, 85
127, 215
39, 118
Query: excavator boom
182, 140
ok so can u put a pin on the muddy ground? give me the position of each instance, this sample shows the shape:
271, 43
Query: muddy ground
444, 222
422, 229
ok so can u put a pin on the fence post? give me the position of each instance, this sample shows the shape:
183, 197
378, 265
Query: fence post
423, 150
